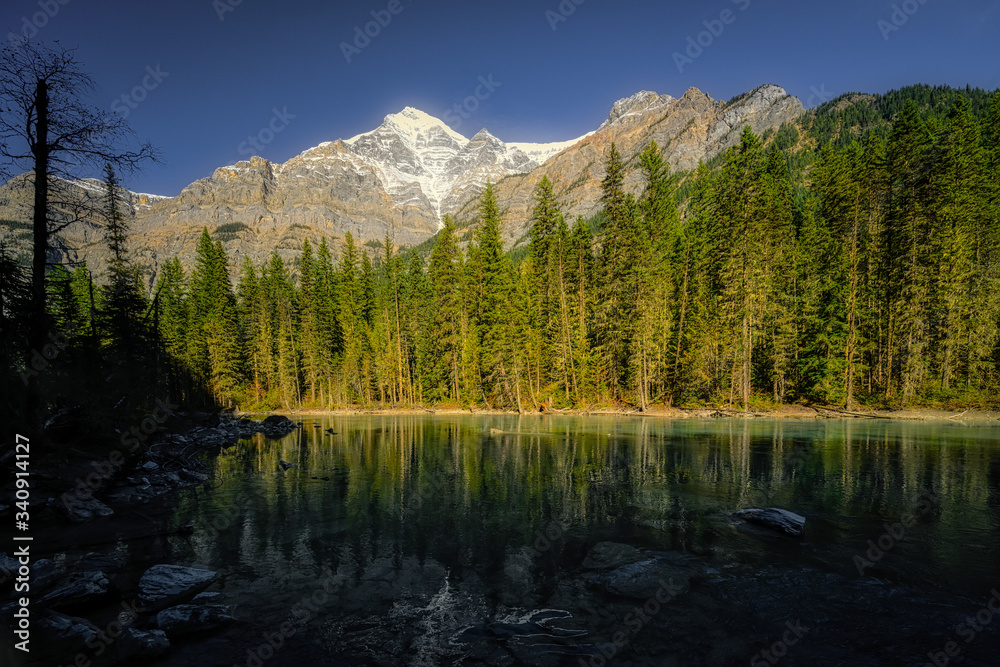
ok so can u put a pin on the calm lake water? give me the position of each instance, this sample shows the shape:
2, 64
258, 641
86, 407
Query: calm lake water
405, 540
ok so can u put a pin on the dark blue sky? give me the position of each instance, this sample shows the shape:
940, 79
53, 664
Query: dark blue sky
220, 81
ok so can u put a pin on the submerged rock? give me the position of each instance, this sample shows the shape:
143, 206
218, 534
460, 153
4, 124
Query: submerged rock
190, 618
165, 585
533, 624
781, 520
81, 510
142, 644
65, 634
653, 578
610, 554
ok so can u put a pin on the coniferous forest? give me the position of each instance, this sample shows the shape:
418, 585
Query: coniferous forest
856, 262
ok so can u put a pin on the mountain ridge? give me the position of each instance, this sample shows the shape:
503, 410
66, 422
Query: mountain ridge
401, 178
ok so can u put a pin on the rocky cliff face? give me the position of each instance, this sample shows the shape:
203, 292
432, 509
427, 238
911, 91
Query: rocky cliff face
688, 130
402, 177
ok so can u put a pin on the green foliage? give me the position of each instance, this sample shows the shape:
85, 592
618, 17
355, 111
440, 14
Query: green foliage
858, 116
786, 137
865, 270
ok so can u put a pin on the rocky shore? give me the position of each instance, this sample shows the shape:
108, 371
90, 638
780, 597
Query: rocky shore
94, 607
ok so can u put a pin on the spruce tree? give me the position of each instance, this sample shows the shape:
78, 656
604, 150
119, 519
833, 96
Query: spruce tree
446, 340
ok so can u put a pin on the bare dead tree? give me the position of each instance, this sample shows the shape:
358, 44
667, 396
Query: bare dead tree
47, 127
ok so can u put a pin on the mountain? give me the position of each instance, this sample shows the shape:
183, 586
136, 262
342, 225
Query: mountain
688, 130
404, 175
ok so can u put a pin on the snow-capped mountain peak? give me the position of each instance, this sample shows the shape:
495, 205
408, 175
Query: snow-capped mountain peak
414, 125
422, 162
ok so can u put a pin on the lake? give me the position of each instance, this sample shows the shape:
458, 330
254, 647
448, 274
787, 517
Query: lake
505, 540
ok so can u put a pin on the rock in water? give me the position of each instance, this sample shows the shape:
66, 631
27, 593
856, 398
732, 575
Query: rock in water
82, 588
610, 554
61, 634
165, 585
656, 577
80, 510
190, 618
781, 520
142, 644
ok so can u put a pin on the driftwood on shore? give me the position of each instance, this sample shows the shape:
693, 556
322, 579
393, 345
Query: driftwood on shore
848, 413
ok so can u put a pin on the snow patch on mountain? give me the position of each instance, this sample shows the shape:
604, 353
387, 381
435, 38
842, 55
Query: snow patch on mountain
421, 161
639, 104
541, 153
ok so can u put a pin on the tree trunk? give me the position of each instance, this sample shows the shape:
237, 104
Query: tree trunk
40, 229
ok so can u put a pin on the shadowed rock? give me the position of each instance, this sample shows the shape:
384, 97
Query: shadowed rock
191, 618
645, 579
63, 634
142, 644
610, 554
165, 585
81, 510
81, 588
781, 520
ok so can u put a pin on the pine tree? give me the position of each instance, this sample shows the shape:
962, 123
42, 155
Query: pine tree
171, 309
312, 343
959, 194
326, 310
492, 271
542, 309
278, 294
446, 340
657, 240
907, 270
619, 277
125, 306
68, 313
214, 351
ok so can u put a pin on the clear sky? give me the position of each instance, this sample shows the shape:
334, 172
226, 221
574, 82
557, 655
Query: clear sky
203, 76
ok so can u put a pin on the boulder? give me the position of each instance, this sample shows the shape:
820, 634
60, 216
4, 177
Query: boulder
610, 554
8, 571
63, 634
208, 597
97, 561
780, 520
165, 585
81, 510
645, 579
80, 588
142, 644
192, 618
44, 575
278, 420
276, 426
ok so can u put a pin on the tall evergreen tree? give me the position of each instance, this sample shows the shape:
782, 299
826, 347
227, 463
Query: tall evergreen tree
446, 337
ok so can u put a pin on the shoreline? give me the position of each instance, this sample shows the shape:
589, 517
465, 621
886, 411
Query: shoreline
787, 412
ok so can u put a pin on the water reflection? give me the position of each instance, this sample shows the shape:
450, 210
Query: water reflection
454, 518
